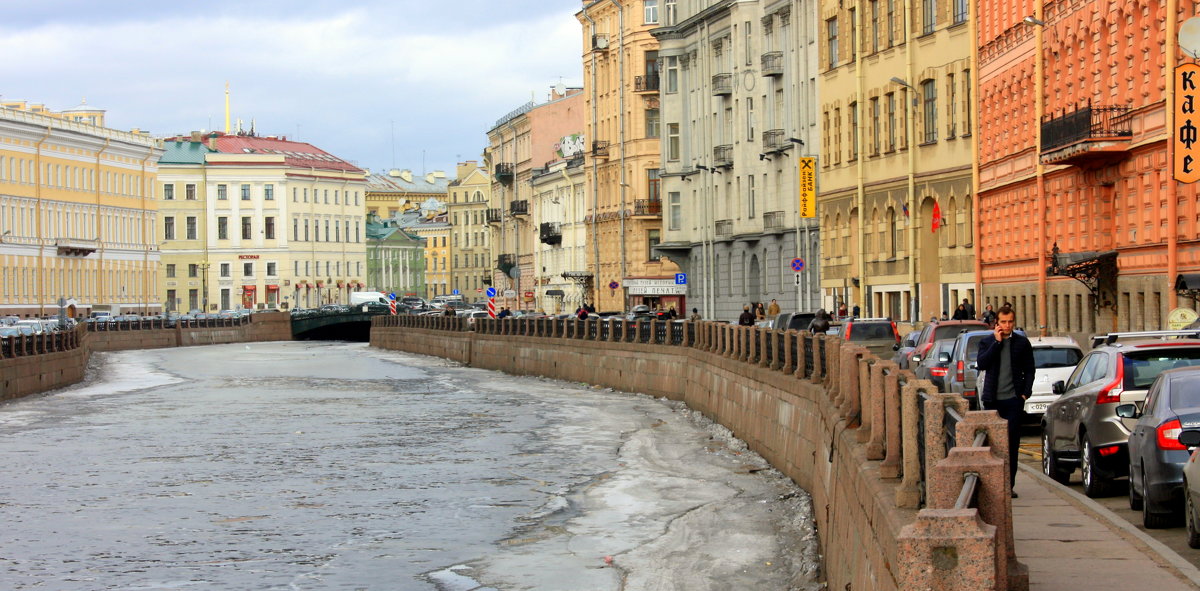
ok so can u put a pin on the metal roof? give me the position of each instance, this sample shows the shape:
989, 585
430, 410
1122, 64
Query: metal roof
183, 152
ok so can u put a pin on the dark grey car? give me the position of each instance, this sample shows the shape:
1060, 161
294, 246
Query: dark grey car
935, 365
1156, 458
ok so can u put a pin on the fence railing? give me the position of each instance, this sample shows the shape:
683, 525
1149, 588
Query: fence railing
38, 344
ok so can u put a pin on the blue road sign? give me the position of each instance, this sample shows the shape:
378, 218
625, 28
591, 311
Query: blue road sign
392, 296
681, 279
797, 265
491, 292
455, 292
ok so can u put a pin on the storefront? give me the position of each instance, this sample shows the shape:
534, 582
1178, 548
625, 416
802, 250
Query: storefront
249, 296
659, 294
272, 296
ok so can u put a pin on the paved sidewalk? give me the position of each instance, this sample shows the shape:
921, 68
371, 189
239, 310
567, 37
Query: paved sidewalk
1070, 542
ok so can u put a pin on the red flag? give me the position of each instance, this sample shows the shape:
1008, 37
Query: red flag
937, 216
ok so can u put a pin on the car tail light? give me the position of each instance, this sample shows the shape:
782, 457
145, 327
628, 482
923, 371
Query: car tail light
1168, 435
959, 370
969, 393
1112, 392
938, 371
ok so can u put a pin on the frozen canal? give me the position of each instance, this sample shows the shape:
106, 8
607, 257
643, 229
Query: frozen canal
309, 465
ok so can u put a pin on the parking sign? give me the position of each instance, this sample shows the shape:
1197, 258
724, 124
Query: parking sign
681, 279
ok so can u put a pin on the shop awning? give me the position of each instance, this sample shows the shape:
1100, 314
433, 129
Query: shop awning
555, 293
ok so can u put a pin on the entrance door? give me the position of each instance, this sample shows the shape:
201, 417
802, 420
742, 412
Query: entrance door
248, 298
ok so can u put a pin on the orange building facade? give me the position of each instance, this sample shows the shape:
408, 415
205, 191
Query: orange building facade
1081, 226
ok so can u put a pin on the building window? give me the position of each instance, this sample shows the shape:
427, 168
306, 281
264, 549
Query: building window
670, 13
674, 211
929, 96
304, 194
247, 269
653, 237
296, 229
269, 228
170, 270
245, 192
651, 11
966, 82
875, 126
222, 228
891, 22
222, 192
270, 269
673, 142
193, 270
224, 269
327, 231
269, 192
168, 228
853, 34
190, 192
169, 192
652, 123
326, 196
831, 41
748, 41
928, 16
960, 11
874, 26
306, 230
751, 196
245, 227
653, 185
191, 227
951, 107
750, 119
672, 81
335, 196
853, 129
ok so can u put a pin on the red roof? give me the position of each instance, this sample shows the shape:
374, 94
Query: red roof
298, 154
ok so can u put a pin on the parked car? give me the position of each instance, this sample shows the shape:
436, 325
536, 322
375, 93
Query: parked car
793, 321
935, 365
878, 335
1081, 427
9, 331
1156, 458
934, 331
964, 377
1190, 438
474, 315
904, 350
1054, 358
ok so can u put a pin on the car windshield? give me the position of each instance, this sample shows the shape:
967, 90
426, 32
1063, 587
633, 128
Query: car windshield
1051, 357
861, 331
948, 332
1142, 366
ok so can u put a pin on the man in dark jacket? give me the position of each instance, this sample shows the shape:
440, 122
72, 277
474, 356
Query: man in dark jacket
1007, 357
747, 317
819, 323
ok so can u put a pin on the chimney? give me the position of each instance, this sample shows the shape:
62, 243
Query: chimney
212, 141
406, 175
196, 137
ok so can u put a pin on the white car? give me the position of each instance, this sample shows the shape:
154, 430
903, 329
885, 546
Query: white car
1054, 358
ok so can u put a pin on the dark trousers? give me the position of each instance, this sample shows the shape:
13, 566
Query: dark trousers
1011, 410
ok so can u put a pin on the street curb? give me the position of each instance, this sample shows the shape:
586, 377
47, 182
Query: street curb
1171, 558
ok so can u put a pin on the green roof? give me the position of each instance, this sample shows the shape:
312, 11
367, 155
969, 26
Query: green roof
183, 152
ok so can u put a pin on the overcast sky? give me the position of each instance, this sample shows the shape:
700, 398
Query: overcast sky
343, 75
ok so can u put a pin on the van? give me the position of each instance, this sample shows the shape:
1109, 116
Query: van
368, 297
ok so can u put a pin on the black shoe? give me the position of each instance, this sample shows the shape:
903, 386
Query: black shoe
1014, 494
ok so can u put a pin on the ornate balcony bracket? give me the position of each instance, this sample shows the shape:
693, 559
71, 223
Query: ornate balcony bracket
1096, 270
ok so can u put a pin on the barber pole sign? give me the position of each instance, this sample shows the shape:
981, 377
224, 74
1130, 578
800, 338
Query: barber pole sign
491, 307
392, 303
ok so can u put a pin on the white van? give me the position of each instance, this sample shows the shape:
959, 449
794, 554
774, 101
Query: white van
368, 297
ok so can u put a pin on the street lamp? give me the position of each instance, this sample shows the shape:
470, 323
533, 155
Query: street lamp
909, 133
204, 284
1040, 170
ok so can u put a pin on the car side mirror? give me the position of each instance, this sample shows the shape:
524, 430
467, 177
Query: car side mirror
1190, 438
943, 358
1058, 387
896, 347
916, 358
1127, 411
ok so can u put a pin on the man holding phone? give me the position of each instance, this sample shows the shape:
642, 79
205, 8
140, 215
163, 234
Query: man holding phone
1007, 357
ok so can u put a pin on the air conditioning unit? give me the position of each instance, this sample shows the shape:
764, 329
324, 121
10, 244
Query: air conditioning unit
599, 41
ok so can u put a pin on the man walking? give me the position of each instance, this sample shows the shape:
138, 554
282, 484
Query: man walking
747, 317
1007, 357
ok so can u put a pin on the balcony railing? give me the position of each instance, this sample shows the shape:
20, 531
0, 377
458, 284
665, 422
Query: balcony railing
519, 207
724, 228
774, 221
1089, 123
723, 155
495, 215
647, 83
772, 63
504, 173
722, 84
647, 207
550, 233
774, 140
600, 148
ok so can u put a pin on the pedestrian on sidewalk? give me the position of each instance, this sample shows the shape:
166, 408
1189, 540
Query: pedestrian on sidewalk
1007, 357
772, 310
696, 317
747, 317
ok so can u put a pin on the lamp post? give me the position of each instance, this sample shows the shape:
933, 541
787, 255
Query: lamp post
1039, 110
909, 132
204, 285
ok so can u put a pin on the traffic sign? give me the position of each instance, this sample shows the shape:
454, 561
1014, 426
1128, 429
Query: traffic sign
613, 285
510, 293
491, 292
797, 265
529, 294
681, 279
392, 296
478, 290
455, 292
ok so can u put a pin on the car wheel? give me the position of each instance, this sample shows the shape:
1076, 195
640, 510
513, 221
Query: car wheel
1050, 465
1135, 500
1189, 516
1094, 485
1152, 519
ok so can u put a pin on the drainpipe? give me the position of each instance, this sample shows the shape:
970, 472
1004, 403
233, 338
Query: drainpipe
595, 171
98, 292
621, 135
1172, 184
973, 113
860, 137
909, 128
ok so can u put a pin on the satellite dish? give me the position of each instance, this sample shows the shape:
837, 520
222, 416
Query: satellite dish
561, 89
1189, 37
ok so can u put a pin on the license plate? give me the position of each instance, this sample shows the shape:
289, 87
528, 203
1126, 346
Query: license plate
1037, 407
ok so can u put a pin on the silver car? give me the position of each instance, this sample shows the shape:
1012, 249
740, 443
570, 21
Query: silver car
1081, 427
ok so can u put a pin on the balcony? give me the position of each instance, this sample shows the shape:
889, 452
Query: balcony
775, 140
723, 155
495, 215
647, 83
600, 149
1090, 136
724, 229
722, 84
504, 173
550, 233
772, 63
647, 207
506, 262
75, 247
520, 207
774, 221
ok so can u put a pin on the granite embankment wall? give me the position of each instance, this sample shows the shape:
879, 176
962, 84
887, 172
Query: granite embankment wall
33, 365
809, 423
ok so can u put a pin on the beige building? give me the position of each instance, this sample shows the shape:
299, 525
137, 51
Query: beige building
418, 205
560, 253
470, 242
895, 97
77, 214
621, 81
259, 222
738, 97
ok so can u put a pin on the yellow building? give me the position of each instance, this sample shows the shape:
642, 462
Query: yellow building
417, 204
436, 233
621, 74
470, 243
895, 95
77, 214
259, 222
398, 191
